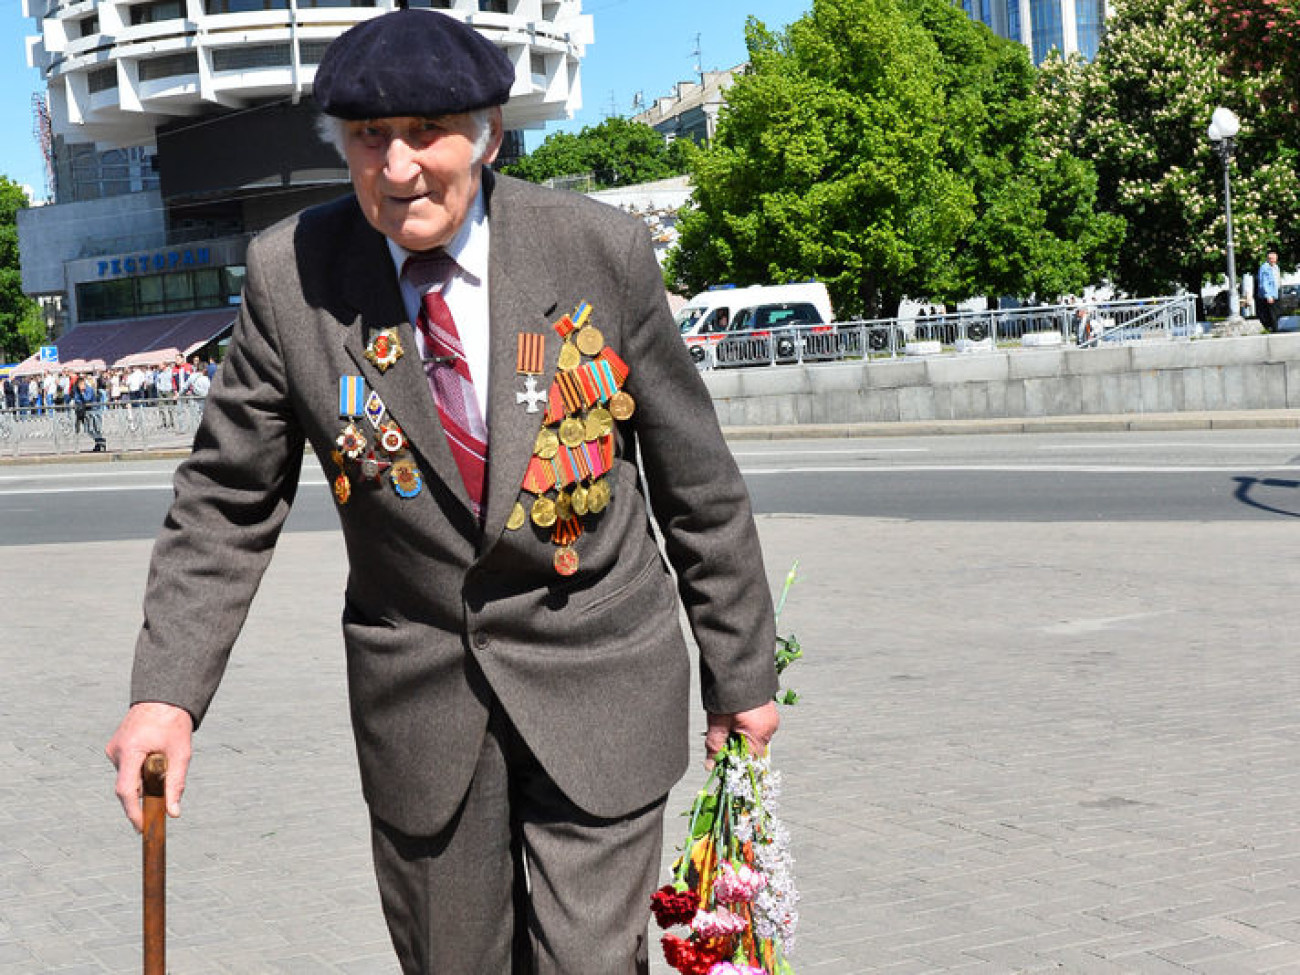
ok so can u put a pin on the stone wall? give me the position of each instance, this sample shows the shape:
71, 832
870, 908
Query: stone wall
1254, 372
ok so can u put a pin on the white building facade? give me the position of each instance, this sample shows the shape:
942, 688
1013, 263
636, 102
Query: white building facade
187, 126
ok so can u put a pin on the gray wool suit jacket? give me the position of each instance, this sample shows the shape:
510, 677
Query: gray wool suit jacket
592, 669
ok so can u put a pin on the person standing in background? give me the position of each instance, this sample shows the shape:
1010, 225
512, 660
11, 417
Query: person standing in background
1268, 284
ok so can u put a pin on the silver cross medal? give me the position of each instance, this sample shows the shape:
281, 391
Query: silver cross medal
531, 395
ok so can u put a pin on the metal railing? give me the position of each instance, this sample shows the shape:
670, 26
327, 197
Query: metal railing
1102, 324
134, 425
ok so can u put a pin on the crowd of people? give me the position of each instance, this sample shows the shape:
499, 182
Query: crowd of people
32, 395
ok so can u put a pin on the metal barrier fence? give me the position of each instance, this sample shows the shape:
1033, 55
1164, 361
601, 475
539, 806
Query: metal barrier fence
131, 426
1102, 324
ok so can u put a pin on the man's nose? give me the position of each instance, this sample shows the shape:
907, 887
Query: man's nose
399, 161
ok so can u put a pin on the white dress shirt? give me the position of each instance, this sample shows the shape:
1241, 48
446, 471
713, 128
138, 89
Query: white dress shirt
466, 295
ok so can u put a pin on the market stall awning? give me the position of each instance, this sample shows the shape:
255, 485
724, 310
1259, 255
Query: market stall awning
114, 341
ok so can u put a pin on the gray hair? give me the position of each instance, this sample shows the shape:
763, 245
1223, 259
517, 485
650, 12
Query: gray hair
331, 130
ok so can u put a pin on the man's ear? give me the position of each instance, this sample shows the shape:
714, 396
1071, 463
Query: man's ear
498, 134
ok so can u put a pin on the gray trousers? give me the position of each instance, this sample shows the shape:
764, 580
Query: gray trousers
521, 882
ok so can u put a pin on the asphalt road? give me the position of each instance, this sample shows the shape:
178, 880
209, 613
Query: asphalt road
1211, 475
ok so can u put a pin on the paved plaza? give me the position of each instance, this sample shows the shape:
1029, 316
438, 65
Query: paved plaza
1021, 748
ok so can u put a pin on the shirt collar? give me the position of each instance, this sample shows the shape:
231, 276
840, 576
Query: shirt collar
468, 248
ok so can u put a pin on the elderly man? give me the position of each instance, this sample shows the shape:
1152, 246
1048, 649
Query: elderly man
489, 374
1267, 288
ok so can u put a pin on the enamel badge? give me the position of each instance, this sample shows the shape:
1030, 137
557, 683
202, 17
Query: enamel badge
384, 349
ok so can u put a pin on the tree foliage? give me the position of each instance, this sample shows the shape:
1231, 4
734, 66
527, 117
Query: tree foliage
1140, 111
617, 152
888, 148
1261, 38
21, 327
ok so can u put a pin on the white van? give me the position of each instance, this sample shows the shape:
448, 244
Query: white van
757, 309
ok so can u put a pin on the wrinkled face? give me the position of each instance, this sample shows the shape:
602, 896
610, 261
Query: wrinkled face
416, 178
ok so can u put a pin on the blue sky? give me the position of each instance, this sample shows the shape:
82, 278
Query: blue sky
640, 47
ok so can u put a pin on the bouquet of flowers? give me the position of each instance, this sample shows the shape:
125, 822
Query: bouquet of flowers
733, 886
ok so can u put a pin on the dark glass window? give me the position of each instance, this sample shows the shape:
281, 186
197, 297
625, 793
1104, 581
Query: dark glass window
151, 13
1090, 16
158, 294
169, 66
102, 79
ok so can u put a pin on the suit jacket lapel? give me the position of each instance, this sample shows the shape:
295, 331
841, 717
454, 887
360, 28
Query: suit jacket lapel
369, 285
522, 297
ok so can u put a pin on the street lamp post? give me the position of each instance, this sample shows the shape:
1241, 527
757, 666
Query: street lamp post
1223, 130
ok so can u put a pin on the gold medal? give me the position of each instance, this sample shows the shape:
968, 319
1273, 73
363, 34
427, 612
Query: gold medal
621, 406
566, 561
570, 357
342, 489
572, 431
543, 512
547, 444
599, 423
517, 517
590, 341
578, 500
563, 507
598, 496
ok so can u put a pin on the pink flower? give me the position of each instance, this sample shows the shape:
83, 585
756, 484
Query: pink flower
729, 968
718, 924
737, 886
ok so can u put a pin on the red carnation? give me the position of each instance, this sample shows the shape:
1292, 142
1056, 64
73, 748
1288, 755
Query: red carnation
688, 958
672, 906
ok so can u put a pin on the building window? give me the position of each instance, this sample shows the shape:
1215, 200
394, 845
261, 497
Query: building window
1090, 16
243, 6
253, 56
152, 13
1045, 15
102, 79
537, 65
169, 66
431, 4
1013, 20
311, 52
159, 294
88, 25
494, 6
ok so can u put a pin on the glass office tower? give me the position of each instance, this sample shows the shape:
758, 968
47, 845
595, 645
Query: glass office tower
1042, 26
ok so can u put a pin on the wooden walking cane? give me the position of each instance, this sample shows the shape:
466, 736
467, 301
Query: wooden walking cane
154, 776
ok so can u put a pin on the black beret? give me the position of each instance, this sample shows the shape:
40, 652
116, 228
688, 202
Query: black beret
411, 62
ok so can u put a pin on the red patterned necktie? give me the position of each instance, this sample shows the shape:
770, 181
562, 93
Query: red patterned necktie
448, 372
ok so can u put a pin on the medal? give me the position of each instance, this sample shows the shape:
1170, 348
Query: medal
543, 513
406, 478
373, 467
517, 517
563, 507
599, 422
547, 443
578, 500
384, 349
572, 431
570, 357
531, 395
622, 406
566, 561
391, 437
598, 496
590, 341
374, 409
342, 489
351, 441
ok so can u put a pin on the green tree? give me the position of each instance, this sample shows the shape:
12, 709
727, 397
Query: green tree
1140, 111
1262, 38
1036, 229
21, 326
889, 148
828, 163
618, 152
